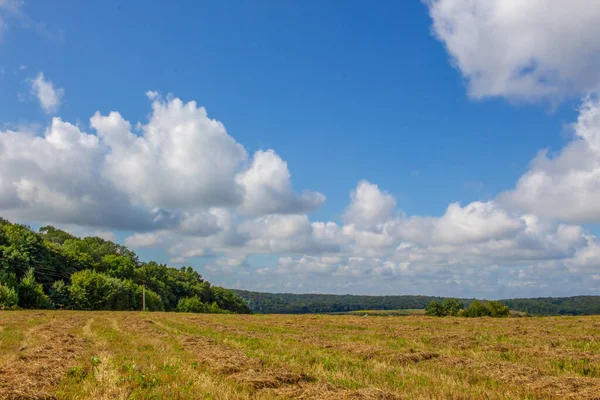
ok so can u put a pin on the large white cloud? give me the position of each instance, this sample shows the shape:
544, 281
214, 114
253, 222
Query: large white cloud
369, 206
521, 49
182, 159
565, 187
181, 170
268, 188
226, 209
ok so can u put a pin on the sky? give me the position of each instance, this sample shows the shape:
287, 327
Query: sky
437, 147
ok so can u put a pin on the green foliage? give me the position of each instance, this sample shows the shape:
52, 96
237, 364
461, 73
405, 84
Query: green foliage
53, 266
289, 303
577, 305
452, 307
117, 266
59, 294
153, 300
192, 304
92, 290
497, 309
31, 293
434, 309
8, 297
448, 307
485, 309
53, 235
227, 300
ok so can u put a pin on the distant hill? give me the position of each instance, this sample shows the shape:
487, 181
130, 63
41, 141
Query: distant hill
577, 305
289, 303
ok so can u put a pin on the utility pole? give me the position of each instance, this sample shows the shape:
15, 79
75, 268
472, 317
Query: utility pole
144, 297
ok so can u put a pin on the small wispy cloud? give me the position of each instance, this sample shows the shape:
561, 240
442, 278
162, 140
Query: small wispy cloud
49, 97
9, 10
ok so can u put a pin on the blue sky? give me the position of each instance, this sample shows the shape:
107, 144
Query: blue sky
388, 95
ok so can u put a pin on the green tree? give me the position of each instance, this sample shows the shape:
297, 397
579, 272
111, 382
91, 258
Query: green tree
452, 307
192, 304
8, 297
53, 235
59, 294
497, 309
476, 309
118, 266
435, 309
91, 290
31, 293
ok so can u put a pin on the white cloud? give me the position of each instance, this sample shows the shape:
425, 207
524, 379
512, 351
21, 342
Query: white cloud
268, 188
49, 97
141, 240
183, 159
565, 187
9, 10
178, 173
476, 222
524, 50
106, 235
369, 206
182, 184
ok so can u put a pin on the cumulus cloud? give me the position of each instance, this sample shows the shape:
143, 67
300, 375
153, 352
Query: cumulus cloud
182, 171
476, 222
522, 50
268, 188
48, 96
565, 187
180, 182
369, 206
182, 159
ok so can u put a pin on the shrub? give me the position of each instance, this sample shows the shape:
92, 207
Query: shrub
452, 307
434, 309
31, 293
8, 297
59, 294
487, 309
192, 304
153, 300
92, 290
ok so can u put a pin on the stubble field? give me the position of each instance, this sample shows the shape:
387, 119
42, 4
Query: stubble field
112, 355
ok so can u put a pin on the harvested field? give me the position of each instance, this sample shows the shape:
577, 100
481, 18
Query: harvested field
108, 355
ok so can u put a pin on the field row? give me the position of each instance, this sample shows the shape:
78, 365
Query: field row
110, 355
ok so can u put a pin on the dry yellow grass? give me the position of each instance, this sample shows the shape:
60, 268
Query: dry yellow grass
108, 355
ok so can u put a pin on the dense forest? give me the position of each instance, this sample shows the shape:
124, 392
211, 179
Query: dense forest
577, 305
288, 303
54, 269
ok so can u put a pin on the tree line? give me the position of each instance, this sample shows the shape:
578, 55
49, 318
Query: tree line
53, 269
454, 308
290, 303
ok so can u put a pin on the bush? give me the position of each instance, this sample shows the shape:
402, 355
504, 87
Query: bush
8, 297
92, 290
153, 301
59, 294
487, 309
453, 307
434, 309
192, 304
497, 309
31, 293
